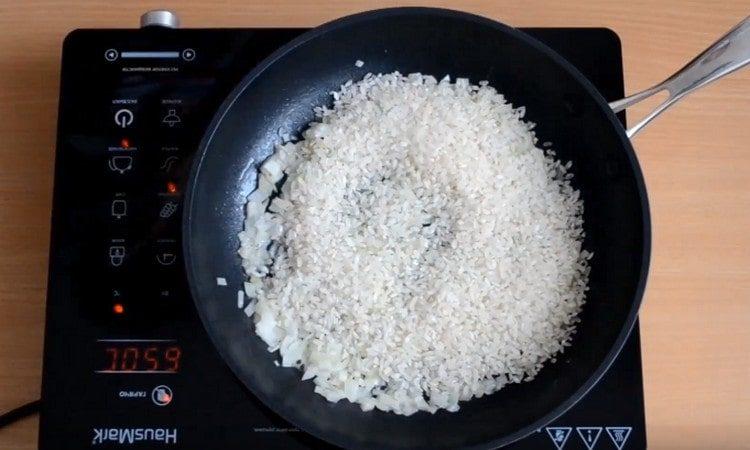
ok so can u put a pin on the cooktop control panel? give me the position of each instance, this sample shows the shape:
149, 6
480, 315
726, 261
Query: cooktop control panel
122, 334
133, 109
127, 362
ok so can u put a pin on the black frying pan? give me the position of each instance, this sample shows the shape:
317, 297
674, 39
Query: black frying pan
278, 96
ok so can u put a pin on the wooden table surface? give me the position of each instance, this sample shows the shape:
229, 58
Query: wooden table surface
696, 159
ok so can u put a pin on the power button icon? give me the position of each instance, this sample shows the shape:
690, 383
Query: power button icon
123, 117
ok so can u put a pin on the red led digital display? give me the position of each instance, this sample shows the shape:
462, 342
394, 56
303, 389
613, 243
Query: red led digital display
119, 356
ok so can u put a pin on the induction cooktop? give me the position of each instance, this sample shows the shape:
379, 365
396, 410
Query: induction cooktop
127, 363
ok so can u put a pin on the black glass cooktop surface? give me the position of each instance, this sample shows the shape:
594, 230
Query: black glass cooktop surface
127, 361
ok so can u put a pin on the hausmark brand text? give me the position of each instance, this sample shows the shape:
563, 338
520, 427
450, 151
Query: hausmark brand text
134, 435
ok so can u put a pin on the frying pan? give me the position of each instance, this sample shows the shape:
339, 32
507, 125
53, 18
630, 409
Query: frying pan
278, 97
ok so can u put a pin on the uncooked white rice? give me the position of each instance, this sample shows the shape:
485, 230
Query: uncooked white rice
240, 299
424, 250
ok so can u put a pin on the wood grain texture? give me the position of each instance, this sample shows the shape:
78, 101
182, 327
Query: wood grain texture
696, 318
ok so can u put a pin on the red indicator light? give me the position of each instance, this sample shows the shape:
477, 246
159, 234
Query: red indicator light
118, 308
171, 188
125, 143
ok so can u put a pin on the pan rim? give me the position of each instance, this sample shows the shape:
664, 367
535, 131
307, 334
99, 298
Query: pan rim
558, 59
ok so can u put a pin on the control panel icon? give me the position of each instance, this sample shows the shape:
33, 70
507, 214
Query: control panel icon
119, 208
161, 395
168, 162
124, 117
111, 54
120, 163
171, 118
166, 258
188, 54
168, 210
117, 252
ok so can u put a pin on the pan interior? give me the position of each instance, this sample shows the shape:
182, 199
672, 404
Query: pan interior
279, 96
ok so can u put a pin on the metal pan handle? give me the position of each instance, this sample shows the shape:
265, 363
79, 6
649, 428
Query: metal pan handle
729, 53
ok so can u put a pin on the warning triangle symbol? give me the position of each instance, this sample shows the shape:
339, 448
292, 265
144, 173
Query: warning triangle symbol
589, 435
619, 435
559, 435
